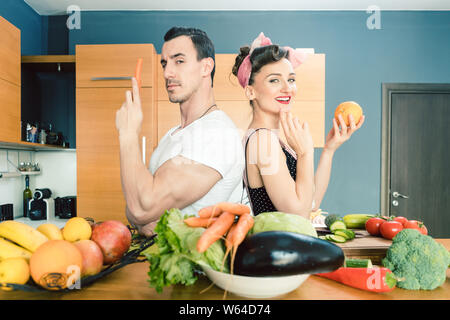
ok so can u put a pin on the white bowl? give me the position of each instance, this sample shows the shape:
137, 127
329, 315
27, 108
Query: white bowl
255, 287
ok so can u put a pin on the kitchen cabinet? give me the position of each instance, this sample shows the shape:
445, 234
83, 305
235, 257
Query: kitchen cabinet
309, 104
48, 98
99, 189
9, 82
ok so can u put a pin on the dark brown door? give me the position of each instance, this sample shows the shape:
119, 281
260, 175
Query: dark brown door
419, 155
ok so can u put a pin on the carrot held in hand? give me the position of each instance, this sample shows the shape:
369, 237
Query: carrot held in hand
373, 279
215, 231
138, 72
199, 222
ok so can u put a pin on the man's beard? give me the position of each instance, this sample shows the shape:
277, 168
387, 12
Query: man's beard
180, 98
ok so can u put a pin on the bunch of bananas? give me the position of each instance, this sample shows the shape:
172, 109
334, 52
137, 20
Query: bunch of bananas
18, 241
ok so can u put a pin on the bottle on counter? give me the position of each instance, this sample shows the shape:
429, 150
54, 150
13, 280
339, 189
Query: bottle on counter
27, 196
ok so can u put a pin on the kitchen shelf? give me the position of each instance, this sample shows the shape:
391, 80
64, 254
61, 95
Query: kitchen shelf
49, 59
31, 146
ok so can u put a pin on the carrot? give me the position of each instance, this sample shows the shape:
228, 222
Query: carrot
243, 226
138, 71
210, 211
228, 243
215, 231
199, 222
217, 209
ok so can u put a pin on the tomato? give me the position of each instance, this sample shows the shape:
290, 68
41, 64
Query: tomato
402, 220
418, 225
389, 229
373, 226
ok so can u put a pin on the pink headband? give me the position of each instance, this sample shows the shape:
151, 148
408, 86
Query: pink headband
296, 57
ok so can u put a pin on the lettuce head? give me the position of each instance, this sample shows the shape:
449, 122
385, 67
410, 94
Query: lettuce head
176, 259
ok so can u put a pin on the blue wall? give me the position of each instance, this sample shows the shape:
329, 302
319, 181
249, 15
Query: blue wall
411, 46
30, 23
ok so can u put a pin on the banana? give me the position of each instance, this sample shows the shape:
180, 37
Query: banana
22, 234
50, 231
11, 250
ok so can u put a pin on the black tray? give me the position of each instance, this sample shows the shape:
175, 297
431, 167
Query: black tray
139, 243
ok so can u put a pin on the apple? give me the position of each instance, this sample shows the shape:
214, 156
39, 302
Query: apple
92, 257
113, 238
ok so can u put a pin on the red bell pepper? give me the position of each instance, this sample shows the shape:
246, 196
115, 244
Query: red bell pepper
375, 279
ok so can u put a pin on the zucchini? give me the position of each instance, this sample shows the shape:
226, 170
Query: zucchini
330, 219
281, 253
356, 221
347, 234
338, 224
358, 263
335, 238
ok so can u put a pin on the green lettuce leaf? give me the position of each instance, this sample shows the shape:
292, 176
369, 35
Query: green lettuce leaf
176, 259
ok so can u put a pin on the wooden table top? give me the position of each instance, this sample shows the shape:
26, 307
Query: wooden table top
130, 283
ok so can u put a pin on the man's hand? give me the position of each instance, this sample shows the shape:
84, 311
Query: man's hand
129, 116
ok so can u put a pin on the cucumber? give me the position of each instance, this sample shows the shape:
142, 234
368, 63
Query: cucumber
332, 218
338, 224
356, 221
358, 263
335, 238
347, 234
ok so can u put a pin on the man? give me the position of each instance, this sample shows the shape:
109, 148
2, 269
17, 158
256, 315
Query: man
196, 164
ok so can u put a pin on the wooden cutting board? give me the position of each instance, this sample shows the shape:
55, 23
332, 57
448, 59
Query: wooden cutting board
364, 246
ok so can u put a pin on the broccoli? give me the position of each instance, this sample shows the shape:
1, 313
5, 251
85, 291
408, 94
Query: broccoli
417, 260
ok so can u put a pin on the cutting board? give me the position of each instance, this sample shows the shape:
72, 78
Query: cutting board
365, 246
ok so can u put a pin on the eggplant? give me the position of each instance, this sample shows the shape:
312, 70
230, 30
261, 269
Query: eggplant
282, 253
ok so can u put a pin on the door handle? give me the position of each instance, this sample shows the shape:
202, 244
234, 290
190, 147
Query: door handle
109, 78
396, 194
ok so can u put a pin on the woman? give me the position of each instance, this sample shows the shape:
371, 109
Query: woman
280, 176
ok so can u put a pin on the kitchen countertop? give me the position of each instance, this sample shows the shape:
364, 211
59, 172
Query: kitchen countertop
130, 283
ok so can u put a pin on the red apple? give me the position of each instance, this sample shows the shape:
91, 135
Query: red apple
114, 238
92, 257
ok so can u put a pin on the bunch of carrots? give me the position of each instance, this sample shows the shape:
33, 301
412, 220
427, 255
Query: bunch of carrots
231, 221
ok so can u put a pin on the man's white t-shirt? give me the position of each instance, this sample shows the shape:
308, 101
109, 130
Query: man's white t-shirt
212, 140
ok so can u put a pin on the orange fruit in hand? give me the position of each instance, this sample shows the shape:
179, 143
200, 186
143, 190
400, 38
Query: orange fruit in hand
345, 109
56, 264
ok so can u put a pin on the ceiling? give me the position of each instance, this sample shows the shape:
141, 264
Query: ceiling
58, 7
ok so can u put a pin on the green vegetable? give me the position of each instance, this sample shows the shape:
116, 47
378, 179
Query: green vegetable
358, 263
347, 234
176, 260
279, 221
337, 225
418, 260
331, 218
335, 238
357, 220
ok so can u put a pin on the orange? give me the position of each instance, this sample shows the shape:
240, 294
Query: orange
346, 108
77, 229
56, 264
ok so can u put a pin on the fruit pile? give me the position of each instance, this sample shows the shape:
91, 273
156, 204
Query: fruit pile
56, 259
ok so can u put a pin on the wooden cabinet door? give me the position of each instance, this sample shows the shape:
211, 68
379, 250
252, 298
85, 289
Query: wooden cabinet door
9, 52
9, 82
94, 62
99, 190
10, 112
